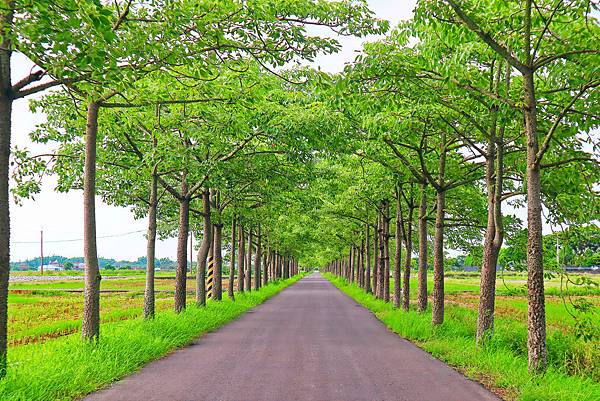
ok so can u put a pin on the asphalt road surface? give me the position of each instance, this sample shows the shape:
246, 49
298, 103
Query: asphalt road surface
310, 342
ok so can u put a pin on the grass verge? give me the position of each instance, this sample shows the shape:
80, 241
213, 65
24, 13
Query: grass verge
67, 368
500, 365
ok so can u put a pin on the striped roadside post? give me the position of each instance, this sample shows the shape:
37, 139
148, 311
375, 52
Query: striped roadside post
211, 276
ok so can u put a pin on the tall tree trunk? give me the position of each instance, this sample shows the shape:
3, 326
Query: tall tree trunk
249, 262
422, 279
398, 254
361, 264
381, 267
265, 276
217, 252
270, 264
437, 307
286, 267
494, 234
386, 251
367, 260
494, 171
407, 261
357, 264
241, 260
218, 280
536, 313
149, 302
376, 258
184, 226
232, 263
351, 264
203, 250
90, 326
6, 102
257, 259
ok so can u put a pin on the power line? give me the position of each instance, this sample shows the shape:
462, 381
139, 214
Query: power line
80, 239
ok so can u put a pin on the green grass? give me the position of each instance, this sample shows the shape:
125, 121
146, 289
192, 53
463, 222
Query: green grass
574, 366
67, 368
44, 310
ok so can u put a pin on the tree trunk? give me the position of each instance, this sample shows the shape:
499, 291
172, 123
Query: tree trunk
249, 262
203, 250
241, 259
286, 267
437, 307
257, 260
367, 260
90, 326
232, 263
361, 264
351, 265
386, 251
407, 261
181, 272
398, 254
218, 280
536, 313
265, 276
381, 257
494, 171
149, 302
271, 265
422, 280
376, 258
493, 237
6, 102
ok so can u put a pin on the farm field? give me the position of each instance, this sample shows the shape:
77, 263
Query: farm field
48, 309
42, 310
127, 341
502, 364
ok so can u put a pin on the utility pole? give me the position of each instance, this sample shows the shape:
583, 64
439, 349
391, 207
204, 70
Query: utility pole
42, 251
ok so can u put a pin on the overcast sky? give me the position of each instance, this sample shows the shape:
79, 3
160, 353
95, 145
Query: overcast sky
61, 215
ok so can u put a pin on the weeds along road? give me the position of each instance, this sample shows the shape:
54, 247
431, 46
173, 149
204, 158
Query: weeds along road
311, 342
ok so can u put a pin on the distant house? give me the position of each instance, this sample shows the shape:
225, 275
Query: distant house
78, 266
52, 266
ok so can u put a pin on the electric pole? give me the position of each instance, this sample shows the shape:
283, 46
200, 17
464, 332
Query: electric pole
42, 251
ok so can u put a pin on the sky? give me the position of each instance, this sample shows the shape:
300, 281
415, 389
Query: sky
60, 215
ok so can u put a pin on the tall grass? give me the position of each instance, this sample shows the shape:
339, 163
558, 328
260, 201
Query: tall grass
67, 368
502, 363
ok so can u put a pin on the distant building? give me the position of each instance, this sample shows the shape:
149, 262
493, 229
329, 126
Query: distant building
582, 269
52, 267
471, 268
78, 266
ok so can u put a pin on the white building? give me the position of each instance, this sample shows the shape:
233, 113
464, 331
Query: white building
52, 267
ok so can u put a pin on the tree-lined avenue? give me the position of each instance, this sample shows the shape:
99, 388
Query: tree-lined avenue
311, 342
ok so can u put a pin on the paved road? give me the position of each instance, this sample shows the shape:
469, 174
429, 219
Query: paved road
311, 342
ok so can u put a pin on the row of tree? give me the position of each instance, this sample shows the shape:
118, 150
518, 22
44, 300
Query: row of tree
465, 107
178, 110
